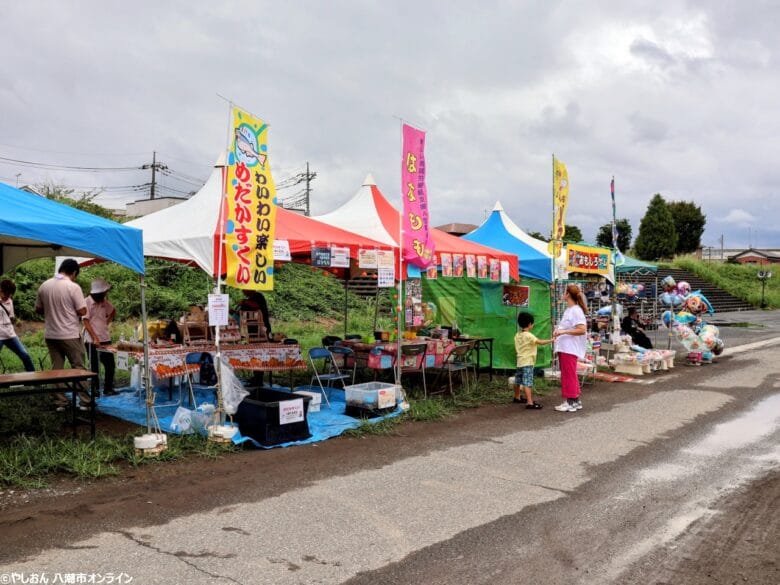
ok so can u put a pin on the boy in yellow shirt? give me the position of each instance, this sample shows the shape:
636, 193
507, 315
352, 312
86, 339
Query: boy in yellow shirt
525, 346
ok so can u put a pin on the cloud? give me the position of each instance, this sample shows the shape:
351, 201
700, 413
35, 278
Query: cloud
739, 218
675, 97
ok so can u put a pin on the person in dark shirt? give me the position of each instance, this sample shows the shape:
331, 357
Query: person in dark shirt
631, 326
255, 301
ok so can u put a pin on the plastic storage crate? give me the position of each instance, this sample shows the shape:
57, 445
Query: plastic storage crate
371, 398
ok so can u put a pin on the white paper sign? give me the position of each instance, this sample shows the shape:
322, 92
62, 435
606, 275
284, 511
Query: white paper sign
219, 308
339, 257
504, 271
121, 361
367, 259
282, 250
386, 398
385, 277
385, 259
290, 411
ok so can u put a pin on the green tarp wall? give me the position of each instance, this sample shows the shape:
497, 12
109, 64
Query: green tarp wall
477, 309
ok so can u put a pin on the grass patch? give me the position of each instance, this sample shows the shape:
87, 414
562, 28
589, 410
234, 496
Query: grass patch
30, 461
380, 428
426, 409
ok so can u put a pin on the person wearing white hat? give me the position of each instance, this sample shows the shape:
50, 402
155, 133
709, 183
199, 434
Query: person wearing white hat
100, 314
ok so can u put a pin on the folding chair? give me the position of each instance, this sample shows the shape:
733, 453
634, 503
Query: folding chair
252, 327
193, 332
331, 371
456, 361
344, 357
413, 361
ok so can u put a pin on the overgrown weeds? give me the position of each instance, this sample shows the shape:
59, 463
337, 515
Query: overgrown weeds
31, 461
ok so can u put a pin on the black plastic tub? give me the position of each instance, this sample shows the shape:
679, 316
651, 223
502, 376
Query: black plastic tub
359, 412
259, 418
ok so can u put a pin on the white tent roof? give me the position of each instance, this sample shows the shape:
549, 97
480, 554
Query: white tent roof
359, 216
185, 232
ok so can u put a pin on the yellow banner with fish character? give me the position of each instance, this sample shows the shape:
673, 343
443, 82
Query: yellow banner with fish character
560, 202
250, 193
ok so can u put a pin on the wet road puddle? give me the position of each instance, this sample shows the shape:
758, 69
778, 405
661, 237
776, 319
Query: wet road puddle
748, 428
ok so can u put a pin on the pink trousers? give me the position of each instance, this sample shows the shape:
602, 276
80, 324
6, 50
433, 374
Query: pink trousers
570, 383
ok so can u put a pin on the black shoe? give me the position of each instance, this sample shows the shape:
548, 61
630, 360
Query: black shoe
519, 400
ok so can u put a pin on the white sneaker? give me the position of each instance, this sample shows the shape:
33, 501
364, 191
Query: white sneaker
578, 404
565, 407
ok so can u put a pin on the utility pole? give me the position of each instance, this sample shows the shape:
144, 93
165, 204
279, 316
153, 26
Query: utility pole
154, 168
308, 188
722, 257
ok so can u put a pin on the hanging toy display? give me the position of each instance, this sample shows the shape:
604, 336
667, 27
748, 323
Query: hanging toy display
701, 339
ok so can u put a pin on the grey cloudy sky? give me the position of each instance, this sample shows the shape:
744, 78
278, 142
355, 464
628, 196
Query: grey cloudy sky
673, 97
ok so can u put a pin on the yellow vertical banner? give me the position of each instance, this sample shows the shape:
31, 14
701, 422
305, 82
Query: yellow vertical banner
560, 201
250, 220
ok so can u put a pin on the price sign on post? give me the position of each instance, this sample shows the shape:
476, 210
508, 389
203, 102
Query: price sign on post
219, 308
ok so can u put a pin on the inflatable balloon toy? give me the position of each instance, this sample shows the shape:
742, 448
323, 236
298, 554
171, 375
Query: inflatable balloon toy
701, 339
683, 288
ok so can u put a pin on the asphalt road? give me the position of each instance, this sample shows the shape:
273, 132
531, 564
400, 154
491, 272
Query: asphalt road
625, 491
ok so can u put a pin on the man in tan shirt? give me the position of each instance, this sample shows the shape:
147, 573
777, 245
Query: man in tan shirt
62, 303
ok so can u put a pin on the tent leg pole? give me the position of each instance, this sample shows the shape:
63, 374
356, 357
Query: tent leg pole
376, 307
147, 373
346, 306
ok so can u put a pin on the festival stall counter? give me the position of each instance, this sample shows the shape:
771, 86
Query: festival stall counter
168, 360
436, 352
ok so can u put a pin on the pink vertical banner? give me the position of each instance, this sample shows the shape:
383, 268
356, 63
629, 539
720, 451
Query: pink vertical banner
418, 247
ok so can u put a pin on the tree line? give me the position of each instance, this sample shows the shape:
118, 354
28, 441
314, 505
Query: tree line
666, 230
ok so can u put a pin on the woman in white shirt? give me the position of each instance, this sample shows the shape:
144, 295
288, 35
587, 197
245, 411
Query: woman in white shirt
570, 346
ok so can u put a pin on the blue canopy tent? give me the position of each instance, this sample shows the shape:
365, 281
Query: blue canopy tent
500, 232
32, 226
535, 264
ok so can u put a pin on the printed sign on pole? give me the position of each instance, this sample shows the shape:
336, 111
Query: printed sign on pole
339, 257
385, 277
367, 259
320, 257
282, 251
385, 259
219, 309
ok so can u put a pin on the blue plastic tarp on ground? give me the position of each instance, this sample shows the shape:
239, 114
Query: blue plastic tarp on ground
328, 422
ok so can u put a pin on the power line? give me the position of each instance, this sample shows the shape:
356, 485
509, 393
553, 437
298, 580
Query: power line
56, 167
74, 153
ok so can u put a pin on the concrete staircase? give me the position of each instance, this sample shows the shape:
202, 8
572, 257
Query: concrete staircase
721, 300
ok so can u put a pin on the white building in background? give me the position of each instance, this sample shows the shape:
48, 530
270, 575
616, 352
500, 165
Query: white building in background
146, 206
